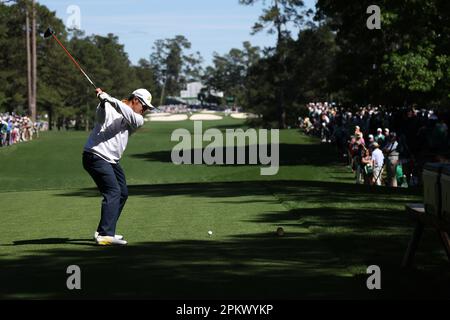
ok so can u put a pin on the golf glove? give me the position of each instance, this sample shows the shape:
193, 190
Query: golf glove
103, 96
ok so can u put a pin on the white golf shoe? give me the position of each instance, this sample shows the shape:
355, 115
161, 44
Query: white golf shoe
109, 241
117, 236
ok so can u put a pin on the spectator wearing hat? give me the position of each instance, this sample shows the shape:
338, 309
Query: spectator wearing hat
371, 142
379, 138
378, 163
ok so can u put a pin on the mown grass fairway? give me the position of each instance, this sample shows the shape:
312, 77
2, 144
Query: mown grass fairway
333, 229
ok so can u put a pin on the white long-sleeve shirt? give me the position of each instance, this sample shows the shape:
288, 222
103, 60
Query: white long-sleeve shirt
114, 123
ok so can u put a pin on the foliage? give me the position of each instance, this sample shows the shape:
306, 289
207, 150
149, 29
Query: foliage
337, 58
405, 62
173, 66
228, 72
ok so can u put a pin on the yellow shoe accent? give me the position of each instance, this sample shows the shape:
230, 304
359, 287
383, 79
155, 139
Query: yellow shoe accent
109, 241
104, 243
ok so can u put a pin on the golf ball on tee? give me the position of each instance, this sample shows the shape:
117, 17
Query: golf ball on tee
210, 232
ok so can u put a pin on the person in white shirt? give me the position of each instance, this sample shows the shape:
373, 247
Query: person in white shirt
115, 121
378, 162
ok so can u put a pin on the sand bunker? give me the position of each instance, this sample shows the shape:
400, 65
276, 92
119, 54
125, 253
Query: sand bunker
154, 115
174, 117
205, 117
208, 111
239, 115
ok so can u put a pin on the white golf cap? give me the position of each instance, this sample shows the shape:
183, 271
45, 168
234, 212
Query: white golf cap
144, 96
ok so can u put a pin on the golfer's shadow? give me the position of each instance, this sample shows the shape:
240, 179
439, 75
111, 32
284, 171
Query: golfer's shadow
80, 242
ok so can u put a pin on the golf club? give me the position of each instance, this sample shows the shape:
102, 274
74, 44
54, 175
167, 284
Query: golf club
49, 32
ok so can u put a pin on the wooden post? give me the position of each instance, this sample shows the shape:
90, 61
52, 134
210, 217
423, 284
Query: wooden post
445, 242
413, 245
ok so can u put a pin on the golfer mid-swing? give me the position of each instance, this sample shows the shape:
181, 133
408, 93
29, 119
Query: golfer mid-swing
115, 121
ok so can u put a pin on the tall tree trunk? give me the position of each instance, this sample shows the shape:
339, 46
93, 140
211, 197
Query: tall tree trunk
34, 61
281, 83
163, 92
29, 75
50, 118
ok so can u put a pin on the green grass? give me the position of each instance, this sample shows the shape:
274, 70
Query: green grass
333, 229
54, 161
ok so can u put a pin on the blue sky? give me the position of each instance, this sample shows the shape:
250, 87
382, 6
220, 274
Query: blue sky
210, 25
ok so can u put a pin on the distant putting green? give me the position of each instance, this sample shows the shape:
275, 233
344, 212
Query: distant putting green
333, 229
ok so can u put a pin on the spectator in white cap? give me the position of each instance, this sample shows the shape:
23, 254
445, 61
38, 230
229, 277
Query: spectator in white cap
370, 142
115, 121
379, 138
378, 163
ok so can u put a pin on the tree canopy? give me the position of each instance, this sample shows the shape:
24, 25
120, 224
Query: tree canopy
334, 57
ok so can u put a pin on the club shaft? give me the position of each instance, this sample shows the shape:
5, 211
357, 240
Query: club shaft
74, 61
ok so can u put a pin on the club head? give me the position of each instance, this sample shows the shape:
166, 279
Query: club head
49, 32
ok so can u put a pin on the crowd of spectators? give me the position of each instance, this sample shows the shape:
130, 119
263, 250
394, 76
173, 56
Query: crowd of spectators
174, 108
183, 108
15, 129
382, 145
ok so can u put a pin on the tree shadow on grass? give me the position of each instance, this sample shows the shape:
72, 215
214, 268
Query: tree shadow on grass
349, 218
344, 178
289, 190
85, 242
289, 154
324, 254
333, 232
258, 266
